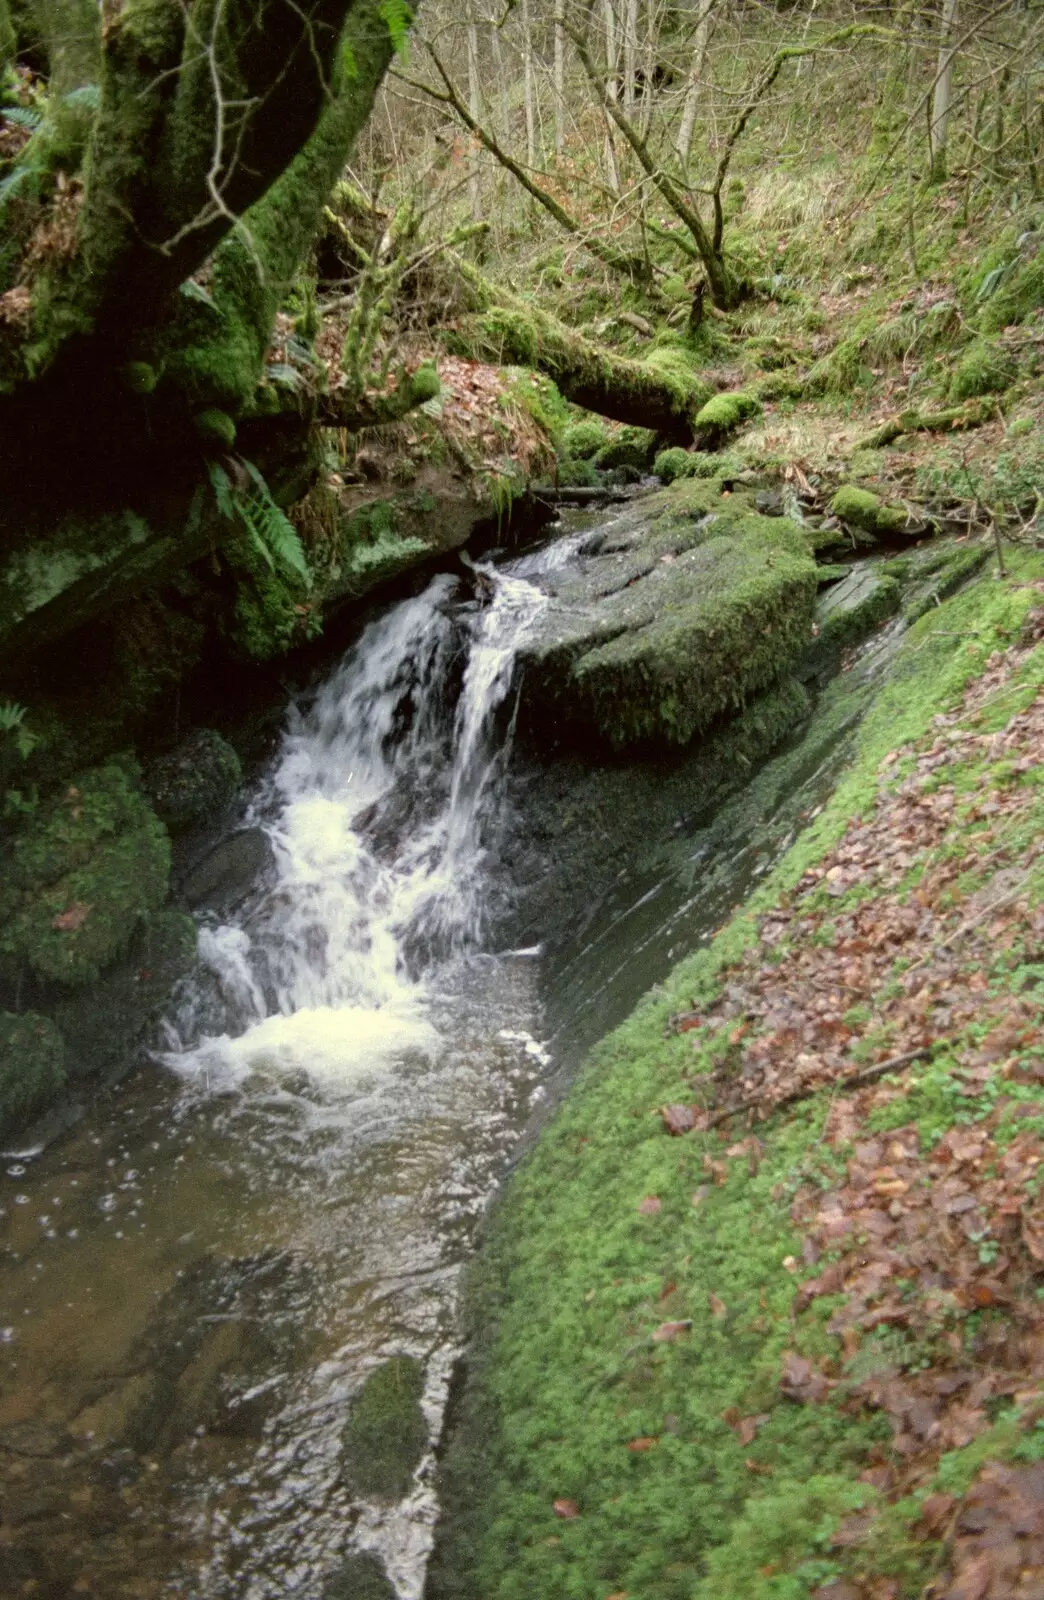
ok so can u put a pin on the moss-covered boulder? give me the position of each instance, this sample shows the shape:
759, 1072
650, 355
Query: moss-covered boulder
723, 415
32, 1067
80, 877
629, 447
984, 368
692, 604
859, 508
387, 1433
195, 781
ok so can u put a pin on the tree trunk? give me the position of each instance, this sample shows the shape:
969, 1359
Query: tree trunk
475, 107
528, 89
560, 101
941, 100
701, 40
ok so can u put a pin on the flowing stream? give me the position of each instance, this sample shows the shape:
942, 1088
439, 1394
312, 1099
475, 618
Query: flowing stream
200, 1276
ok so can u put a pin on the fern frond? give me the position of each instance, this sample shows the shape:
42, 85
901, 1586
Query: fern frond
22, 117
271, 526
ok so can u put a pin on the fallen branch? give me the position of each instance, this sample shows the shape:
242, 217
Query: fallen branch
852, 1080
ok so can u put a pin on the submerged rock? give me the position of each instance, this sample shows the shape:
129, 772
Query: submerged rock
360, 1577
691, 604
231, 871
386, 1434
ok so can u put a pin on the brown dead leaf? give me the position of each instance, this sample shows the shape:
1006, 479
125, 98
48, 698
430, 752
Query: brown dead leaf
650, 1206
668, 1331
640, 1446
72, 919
566, 1509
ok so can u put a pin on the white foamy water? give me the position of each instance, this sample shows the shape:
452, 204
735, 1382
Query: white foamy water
381, 811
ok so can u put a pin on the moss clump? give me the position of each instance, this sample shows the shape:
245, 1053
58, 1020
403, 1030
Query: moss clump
629, 447
386, 1434
578, 475
868, 512
214, 427
841, 371
583, 440
195, 781
138, 377
674, 463
985, 368
79, 879
32, 1067
723, 415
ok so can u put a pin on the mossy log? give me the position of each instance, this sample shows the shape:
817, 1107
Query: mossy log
950, 421
506, 329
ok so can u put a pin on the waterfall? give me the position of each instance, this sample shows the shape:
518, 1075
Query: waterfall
381, 808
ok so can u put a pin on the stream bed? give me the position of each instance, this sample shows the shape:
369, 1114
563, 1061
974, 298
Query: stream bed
199, 1277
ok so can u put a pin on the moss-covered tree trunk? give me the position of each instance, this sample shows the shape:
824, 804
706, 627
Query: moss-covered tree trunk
149, 232
505, 329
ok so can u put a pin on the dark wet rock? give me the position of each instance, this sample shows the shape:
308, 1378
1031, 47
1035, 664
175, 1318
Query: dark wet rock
693, 605
105, 1026
230, 872
212, 1337
770, 503
32, 1438
933, 572
386, 1434
849, 610
194, 782
360, 1577
32, 1067
118, 1470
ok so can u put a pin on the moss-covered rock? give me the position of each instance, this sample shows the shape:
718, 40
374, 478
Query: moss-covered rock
195, 781
693, 604
79, 878
868, 512
386, 1434
628, 447
984, 368
584, 439
32, 1067
673, 463
850, 609
723, 415
1014, 290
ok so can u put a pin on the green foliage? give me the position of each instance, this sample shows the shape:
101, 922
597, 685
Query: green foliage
270, 531
776, 1548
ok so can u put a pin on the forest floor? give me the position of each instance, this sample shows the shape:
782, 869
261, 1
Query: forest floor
763, 1314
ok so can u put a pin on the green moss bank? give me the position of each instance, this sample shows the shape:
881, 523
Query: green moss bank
624, 1430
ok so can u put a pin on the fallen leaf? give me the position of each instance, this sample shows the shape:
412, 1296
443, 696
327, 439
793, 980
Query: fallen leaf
566, 1509
650, 1205
670, 1330
718, 1307
639, 1446
73, 918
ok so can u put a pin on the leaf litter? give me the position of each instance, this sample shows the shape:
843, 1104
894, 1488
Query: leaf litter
897, 949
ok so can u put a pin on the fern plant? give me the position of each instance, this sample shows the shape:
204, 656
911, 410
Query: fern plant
269, 529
